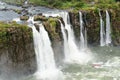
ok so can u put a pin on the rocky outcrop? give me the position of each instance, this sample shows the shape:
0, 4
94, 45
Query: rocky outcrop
16, 49
24, 18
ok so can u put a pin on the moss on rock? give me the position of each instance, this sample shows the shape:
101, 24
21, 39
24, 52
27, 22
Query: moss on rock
53, 27
16, 45
7, 28
24, 18
40, 18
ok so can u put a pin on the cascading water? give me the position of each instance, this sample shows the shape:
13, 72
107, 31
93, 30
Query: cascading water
83, 33
72, 47
108, 30
105, 38
71, 50
26, 2
66, 47
46, 68
102, 31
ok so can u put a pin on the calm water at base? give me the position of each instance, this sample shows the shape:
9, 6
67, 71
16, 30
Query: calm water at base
104, 66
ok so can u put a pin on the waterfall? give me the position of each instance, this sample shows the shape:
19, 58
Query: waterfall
46, 67
105, 38
108, 30
43, 50
66, 47
102, 31
71, 50
72, 47
83, 33
26, 2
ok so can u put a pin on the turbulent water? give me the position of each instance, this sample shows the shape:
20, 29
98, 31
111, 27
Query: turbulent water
105, 66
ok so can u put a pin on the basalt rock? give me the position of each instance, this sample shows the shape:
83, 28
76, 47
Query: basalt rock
24, 18
16, 50
52, 25
40, 18
115, 25
91, 21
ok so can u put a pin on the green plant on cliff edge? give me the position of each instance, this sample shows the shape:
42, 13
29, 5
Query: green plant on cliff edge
6, 27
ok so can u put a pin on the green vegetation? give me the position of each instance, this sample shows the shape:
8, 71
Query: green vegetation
76, 4
4, 25
7, 28
52, 25
70, 4
18, 2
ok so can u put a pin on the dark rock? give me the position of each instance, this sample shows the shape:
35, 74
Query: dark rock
17, 51
40, 18
24, 18
40, 14
37, 26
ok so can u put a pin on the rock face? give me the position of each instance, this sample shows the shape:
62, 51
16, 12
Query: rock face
115, 22
24, 18
16, 50
92, 23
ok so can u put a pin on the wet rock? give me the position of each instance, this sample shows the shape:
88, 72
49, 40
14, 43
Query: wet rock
40, 14
24, 18
17, 11
52, 25
37, 26
25, 6
40, 18
24, 12
16, 47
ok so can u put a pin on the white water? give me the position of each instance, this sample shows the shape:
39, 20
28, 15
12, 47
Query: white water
26, 2
72, 47
46, 67
83, 33
17, 19
71, 50
105, 38
102, 31
66, 47
108, 30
